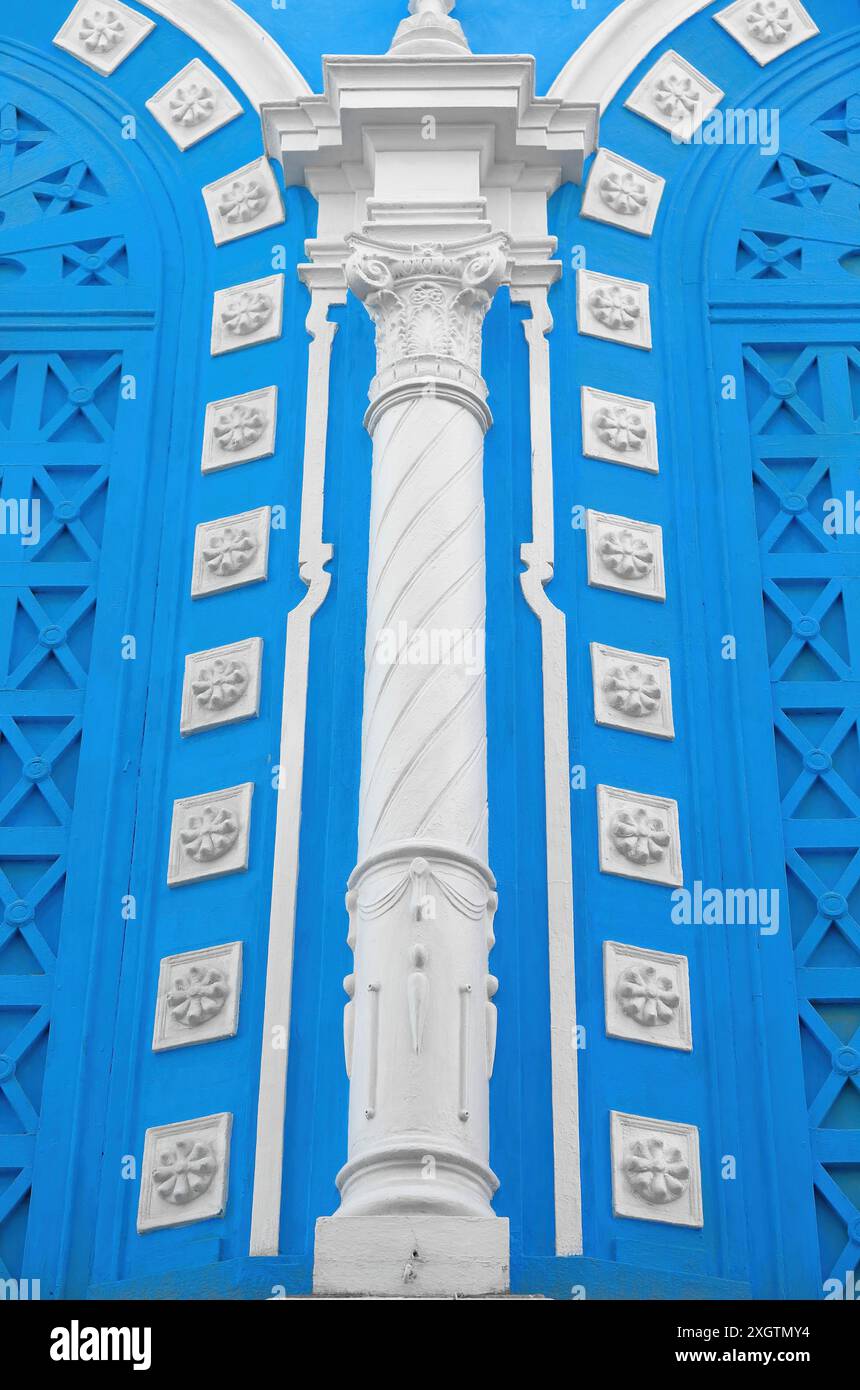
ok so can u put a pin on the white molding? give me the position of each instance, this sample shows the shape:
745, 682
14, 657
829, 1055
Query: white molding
639, 836
639, 1142
114, 32
619, 429
622, 194
198, 996
254, 60
675, 96
625, 555
646, 996
610, 307
538, 556
209, 835
176, 1159
221, 686
252, 416
195, 86
632, 691
785, 22
603, 62
314, 554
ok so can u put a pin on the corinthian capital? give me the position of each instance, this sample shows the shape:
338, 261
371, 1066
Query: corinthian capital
428, 303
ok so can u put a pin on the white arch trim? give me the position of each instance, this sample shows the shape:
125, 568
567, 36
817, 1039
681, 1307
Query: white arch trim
617, 46
251, 56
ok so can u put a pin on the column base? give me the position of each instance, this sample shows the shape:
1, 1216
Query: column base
412, 1256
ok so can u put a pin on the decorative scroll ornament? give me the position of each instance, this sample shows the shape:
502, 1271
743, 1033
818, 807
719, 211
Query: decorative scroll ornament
184, 1171
623, 192
243, 200
427, 301
769, 21
641, 838
676, 96
626, 553
210, 834
657, 1172
220, 683
647, 997
228, 551
239, 427
247, 312
632, 690
197, 996
614, 307
101, 30
191, 103
620, 428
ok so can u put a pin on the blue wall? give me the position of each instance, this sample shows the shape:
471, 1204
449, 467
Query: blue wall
746, 1083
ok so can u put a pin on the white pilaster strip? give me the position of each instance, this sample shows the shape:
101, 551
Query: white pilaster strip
538, 556
314, 554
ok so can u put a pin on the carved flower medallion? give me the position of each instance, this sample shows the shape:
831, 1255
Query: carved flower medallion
640, 837
623, 192
101, 30
197, 996
620, 428
184, 1171
192, 103
769, 21
676, 96
243, 200
614, 307
228, 551
632, 690
627, 553
656, 1171
247, 312
220, 683
239, 427
209, 834
644, 995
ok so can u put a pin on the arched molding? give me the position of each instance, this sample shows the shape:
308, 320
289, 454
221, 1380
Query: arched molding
254, 60
602, 64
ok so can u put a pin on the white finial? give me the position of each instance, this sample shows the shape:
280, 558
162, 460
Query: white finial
429, 31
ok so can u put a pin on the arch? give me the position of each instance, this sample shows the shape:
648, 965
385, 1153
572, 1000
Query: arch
254, 60
604, 61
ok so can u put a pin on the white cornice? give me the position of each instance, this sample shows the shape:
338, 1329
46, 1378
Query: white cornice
251, 56
605, 60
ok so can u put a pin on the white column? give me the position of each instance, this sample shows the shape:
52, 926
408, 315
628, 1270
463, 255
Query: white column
420, 1022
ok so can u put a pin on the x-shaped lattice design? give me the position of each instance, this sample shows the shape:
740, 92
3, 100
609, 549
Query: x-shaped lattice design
36, 768
831, 904
19, 132
846, 1211
95, 263
797, 183
806, 629
793, 503
818, 761
771, 257
19, 914
783, 390
51, 637
842, 122
80, 393
66, 511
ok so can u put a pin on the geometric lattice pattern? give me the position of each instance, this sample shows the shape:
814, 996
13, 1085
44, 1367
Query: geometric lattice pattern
57, 415
804, 407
